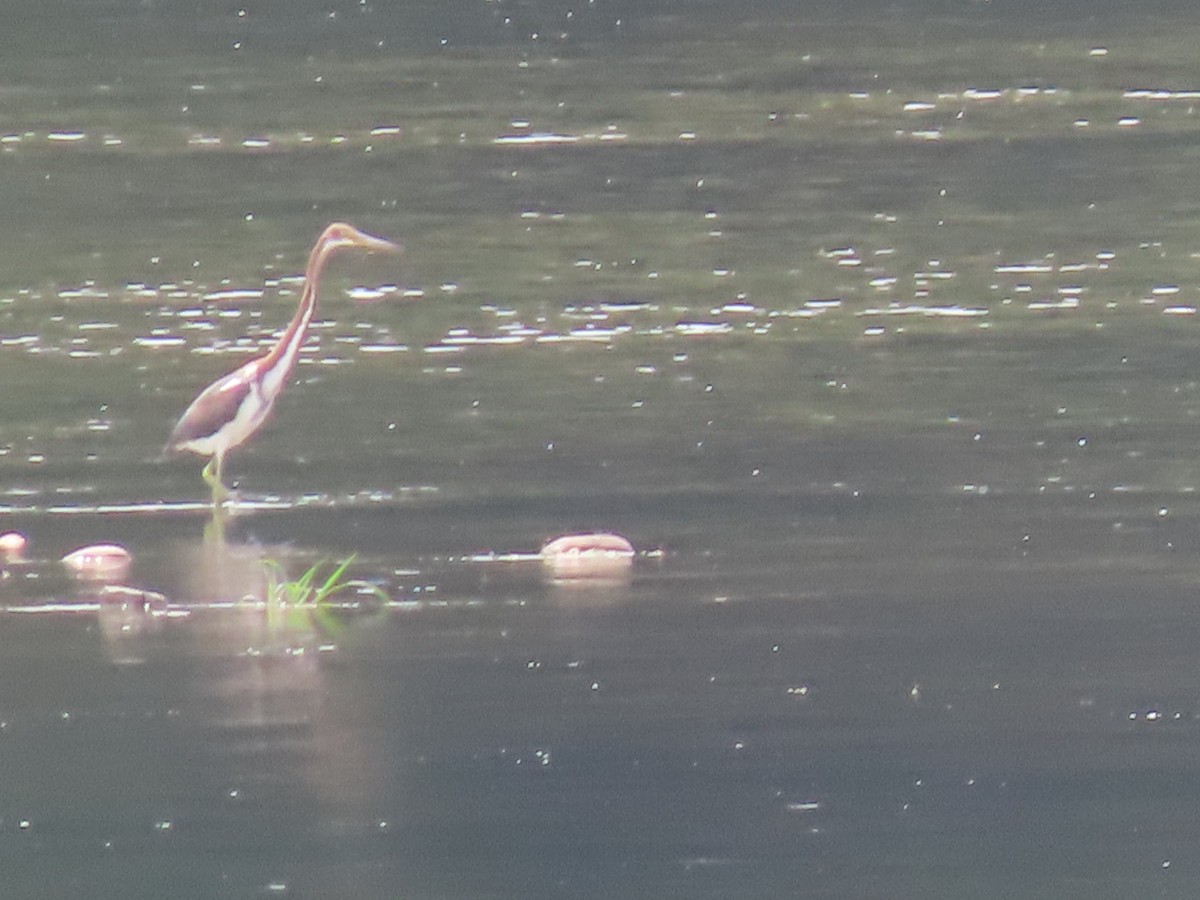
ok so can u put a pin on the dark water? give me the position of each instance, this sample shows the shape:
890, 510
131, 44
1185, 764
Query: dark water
871, 326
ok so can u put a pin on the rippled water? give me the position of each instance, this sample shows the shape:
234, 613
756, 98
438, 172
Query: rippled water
871, 327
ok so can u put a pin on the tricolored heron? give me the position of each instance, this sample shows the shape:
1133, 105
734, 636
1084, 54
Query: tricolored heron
233, 407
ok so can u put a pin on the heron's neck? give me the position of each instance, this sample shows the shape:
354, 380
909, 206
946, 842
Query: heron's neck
284, 354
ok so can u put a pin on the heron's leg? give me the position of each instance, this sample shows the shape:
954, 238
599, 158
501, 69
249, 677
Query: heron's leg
212, 477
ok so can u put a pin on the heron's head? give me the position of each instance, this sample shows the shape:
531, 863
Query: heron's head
340, 235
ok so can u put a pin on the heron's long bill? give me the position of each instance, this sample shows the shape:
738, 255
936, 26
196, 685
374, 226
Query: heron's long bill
340, 234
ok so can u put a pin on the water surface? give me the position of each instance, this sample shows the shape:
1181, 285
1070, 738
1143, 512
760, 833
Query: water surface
871, 327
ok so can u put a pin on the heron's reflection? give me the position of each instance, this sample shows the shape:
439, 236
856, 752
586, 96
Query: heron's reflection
234, 587
272, 696
222, 588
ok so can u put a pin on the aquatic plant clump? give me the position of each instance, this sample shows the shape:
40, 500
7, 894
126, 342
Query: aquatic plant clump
307, 590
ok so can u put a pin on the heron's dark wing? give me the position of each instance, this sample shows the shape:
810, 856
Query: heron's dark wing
216, 405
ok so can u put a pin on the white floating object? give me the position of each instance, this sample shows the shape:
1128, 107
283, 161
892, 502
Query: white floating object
103, 562
600, 555
12, 544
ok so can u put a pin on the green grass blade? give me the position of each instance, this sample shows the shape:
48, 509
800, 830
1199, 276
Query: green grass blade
333, 583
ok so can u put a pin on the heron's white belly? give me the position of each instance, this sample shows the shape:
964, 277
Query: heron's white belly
251, 412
